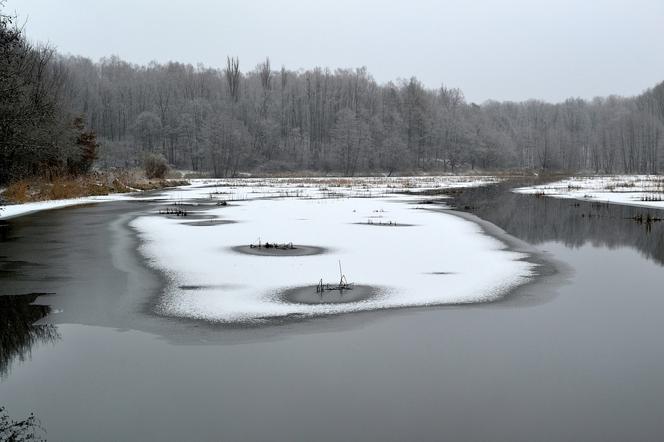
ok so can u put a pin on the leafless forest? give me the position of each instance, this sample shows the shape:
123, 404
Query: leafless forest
65, 114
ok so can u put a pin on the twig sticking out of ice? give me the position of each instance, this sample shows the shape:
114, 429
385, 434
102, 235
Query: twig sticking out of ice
343, 284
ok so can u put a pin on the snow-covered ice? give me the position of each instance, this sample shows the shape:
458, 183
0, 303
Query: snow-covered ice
633, 190
438, 259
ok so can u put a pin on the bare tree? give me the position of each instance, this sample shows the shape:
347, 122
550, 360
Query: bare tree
232, 73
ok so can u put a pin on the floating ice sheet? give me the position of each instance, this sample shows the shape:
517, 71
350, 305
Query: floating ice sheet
438, 259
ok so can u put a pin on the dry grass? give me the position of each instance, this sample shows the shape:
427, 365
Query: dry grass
17, 192
94, 184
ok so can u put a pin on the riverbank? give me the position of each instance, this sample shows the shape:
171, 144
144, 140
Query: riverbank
29, 196
632, 190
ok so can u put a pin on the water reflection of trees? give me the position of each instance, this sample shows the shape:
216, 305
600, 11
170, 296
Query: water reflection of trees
572, 222
18, 334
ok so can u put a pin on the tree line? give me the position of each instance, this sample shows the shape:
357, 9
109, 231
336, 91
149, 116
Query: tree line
225, 121
61, 113
40, 132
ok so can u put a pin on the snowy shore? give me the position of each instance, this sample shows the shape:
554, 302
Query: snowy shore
633, 190
16, 210
363, 186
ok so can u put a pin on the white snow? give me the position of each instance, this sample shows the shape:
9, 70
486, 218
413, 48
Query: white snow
359, 187
633, 190
253, 188
401, 261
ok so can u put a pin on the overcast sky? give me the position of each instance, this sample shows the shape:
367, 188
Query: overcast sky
491, 49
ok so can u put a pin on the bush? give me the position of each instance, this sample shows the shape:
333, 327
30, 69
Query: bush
155, 166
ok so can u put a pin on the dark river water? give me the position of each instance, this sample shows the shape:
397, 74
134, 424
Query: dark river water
576, 356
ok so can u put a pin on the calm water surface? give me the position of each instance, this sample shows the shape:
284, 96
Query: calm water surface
577, 356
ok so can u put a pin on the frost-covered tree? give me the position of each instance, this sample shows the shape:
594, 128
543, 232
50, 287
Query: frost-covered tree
342, 121
147, 131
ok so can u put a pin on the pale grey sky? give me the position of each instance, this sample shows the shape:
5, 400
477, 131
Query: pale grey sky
491, 49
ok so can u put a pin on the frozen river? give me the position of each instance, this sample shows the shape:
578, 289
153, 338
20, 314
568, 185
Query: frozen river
124, 354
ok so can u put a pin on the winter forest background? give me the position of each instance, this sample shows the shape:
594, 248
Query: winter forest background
67, 114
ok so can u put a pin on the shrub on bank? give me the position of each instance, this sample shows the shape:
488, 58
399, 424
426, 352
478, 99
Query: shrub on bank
155, 166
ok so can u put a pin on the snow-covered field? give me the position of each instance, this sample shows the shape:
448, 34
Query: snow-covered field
635, 190
429, 258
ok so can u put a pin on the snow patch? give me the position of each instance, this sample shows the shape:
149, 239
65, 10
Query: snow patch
632, 190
